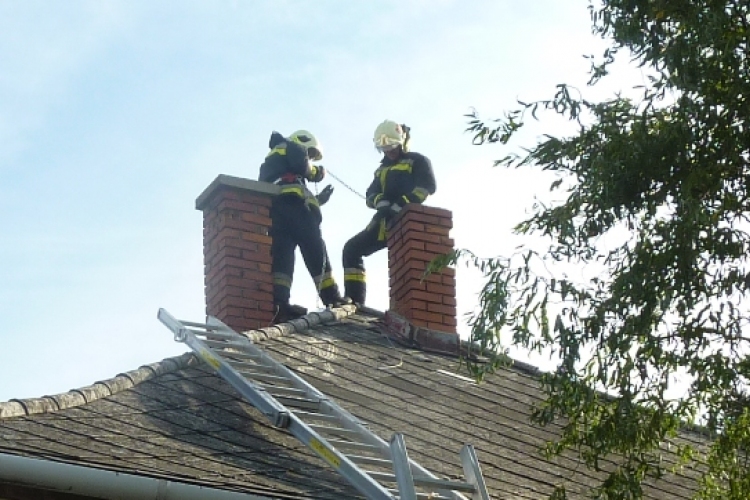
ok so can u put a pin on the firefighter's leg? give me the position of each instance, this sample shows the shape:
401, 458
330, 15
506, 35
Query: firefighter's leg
314, 253
282, 254
367, 242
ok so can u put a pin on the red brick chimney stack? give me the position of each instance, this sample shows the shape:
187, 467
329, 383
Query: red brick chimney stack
421, 233
237, 259
237, 251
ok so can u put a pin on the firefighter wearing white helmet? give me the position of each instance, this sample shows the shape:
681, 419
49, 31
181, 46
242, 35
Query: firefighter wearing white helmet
296, 218
309, 142
389, 135
403, 177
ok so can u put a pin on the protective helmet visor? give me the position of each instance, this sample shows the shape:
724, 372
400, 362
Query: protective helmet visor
384, 148
387, 141
314, 154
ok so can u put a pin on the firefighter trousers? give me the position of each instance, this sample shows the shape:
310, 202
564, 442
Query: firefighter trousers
295, 224
366, 242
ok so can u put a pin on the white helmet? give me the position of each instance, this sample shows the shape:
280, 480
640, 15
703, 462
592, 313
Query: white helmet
389, 135
308, 141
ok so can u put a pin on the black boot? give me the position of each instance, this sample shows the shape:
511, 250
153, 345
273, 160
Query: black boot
287, 312
356, 291
340, 301
332, 298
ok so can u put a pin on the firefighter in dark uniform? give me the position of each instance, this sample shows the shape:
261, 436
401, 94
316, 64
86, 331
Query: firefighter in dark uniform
296, 218
403, 177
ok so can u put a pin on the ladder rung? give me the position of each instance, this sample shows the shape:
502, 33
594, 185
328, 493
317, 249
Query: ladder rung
427, 496
215, 344
437, 483
278, 390
389, 477
254, 367
224, 339
444, 484
352, 445
337, 436
217, 335
200, 325
263, 376
307, 404
316, 416
360, 459
241, 365
242, 354
337, 431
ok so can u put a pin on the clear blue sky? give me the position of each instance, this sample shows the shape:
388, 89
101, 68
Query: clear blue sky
114, 116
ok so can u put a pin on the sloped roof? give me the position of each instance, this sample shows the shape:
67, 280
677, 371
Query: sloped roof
175, 419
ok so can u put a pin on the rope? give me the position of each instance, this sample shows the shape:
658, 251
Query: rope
319, 286
319, 301
347, 186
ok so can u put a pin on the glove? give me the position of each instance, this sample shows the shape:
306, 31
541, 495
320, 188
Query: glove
325, 195
317, 173
385, 208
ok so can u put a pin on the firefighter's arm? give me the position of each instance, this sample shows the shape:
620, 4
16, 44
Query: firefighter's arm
424, 180
299, 163
269, 171
263, 175
374, 193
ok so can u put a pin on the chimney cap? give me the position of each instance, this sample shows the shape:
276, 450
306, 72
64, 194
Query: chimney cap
223, 181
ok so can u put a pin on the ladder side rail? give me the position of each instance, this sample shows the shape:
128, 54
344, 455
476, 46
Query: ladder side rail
350, 422
338, 460
280, 369
294, 380
258, 397
347, 419
420, 472
298, 382
402, 469
473, 473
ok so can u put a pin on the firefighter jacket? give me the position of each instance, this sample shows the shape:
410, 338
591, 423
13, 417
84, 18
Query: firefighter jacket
288, 166
407, 179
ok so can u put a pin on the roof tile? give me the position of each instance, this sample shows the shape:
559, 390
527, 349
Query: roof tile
177, 420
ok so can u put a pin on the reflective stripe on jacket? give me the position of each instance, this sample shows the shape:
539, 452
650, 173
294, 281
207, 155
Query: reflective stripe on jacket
407, 179
288, 166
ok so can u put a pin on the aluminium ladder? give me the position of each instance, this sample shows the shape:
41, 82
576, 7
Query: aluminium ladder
338, 437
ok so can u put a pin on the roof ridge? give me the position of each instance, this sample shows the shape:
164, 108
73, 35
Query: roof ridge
123, 381
301, 324
97, 390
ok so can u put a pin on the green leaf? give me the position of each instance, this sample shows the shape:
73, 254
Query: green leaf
657, 197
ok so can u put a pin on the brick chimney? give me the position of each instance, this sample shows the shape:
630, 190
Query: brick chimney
237, 251
419, 234
237, 258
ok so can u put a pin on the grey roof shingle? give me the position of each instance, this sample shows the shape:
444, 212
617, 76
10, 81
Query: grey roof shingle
178, 420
